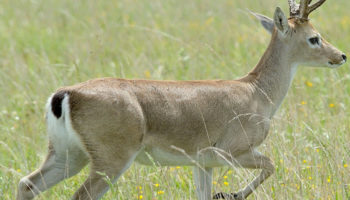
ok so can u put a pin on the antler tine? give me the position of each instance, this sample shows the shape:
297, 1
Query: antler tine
315, 5
293, 8
304, 8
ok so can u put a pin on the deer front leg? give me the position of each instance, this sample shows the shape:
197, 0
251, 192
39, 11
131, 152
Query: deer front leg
203, 182
253, 160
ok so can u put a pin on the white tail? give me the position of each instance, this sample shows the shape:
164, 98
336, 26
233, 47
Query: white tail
66, 155
112, 122
60, 129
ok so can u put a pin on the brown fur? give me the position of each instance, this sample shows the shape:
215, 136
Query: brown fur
118, 120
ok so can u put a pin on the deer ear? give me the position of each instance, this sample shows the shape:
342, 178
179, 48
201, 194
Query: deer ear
280, 21
266, 22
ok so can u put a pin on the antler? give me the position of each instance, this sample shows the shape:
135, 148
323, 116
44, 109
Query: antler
316, 5
304, 5
293, 8
303, 9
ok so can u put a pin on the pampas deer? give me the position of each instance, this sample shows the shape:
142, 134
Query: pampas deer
112, 122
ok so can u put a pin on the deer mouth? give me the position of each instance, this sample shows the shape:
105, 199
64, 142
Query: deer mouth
335, 65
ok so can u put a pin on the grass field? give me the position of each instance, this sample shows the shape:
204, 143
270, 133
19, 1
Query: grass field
46, 44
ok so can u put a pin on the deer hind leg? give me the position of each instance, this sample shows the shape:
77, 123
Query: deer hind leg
66, 156
253, 160
105, 164
56, 167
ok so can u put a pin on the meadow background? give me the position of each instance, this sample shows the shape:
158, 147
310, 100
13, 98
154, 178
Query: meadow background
46, 44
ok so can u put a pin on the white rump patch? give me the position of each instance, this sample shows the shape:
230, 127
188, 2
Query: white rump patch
60, 131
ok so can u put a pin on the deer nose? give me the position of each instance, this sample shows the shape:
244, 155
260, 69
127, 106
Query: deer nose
344, 57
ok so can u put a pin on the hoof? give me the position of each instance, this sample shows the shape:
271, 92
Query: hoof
222, 195
232, 196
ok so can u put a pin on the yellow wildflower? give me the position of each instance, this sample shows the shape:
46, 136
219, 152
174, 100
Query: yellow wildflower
345, 21
331, 105
226, 183
308, 83
209, 20
303, 103
345, 165
147, 74
160, 192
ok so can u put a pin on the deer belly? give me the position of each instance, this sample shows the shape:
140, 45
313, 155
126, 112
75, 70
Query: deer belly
156, 156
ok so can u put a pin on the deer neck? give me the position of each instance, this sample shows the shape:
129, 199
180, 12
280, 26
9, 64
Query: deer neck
274, 73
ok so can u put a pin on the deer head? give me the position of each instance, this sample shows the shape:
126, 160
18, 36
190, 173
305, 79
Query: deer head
304, 43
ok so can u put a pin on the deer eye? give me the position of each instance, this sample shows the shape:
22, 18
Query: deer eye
314, 40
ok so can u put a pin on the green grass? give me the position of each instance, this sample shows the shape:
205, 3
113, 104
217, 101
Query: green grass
46, 44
